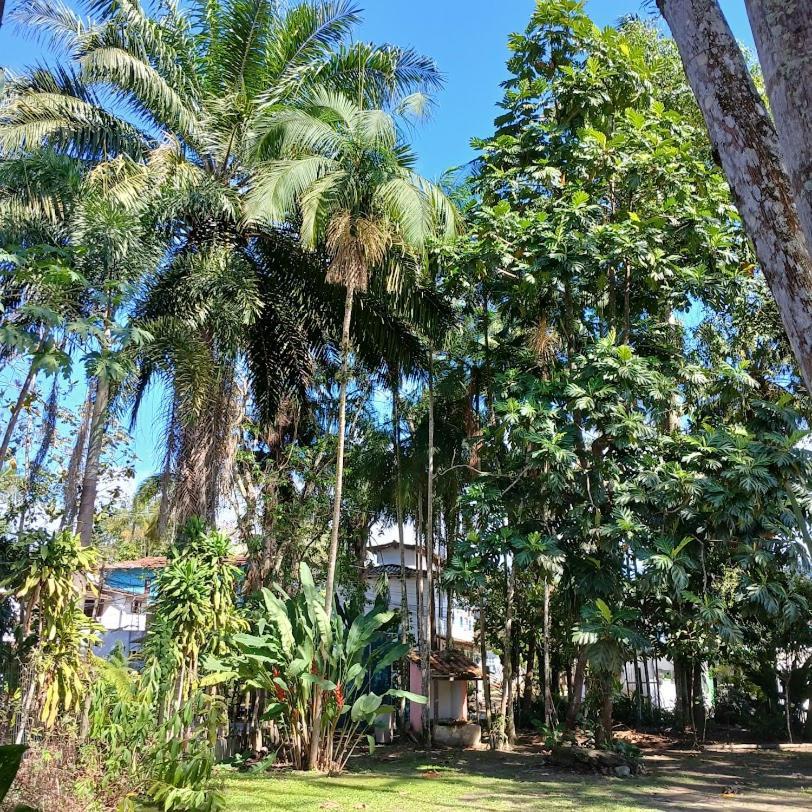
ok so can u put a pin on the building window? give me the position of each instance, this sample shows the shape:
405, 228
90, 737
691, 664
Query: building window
138, 606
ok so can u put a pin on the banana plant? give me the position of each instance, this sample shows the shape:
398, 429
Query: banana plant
295, 649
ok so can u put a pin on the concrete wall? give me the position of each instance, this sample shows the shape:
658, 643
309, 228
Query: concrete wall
122, 625
449, 699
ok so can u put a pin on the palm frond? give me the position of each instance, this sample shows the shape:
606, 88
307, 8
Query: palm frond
56, 109
51, 22
140, 84
387, 74
304, 36
280, 185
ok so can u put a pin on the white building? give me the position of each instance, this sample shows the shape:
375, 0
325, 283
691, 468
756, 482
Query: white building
383, 573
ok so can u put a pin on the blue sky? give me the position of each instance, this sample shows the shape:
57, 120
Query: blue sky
468, 39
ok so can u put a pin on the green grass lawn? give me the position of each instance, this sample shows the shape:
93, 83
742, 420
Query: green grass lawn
482, 781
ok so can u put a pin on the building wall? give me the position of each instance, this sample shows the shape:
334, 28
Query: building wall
463, 620
123, 624
662, 692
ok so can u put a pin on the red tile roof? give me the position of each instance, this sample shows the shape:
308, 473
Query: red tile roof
450, 663
154, 562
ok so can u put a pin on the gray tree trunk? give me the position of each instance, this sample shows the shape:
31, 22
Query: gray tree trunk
782, 30
742, 133
315, 736
97, 430
506, 706
72, 478
486, 679
404, 594
577, 691
90, 476
549, 706
16, 411
342, 427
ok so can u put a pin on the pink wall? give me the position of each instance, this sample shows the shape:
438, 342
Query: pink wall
415, 710
449, 697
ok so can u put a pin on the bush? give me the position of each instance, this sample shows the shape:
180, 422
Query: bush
626, 709
296, 655
182, 763
58, 772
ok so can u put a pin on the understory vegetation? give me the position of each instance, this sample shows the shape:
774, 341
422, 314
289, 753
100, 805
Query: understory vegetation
558, 369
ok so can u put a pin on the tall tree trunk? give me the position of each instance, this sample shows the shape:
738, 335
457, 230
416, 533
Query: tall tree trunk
404, 594
647, 680
638, 688
315, 737
342, 425
450, 539
17, 410
698, 700
744, 137
549, 708
48, 433
430, 509
97, 430
483, 655
90, 476
529, 675
419, 560
424, 598
576, 697
74, 472
603, 733
680, 714
506, 705
782, 30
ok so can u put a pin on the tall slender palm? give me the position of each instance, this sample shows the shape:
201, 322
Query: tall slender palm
339, 167
167, 100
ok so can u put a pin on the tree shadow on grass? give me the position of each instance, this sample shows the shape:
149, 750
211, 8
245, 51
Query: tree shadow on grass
494, 782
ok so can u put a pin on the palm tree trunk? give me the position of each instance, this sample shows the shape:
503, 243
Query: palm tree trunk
549, 709
74, 472
98, 427
450, 538
427, 708
577, 690
743, 135
783, 31
404, 595
506, 705
315, 736
342, 425
529, 675
17, 410
90, 477
424, 596
787, 708
603, 734
483, 654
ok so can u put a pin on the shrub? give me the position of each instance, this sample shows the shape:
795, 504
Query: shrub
294, 651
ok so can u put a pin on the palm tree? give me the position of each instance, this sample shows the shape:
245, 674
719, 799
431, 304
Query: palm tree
180, 92
338, 167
